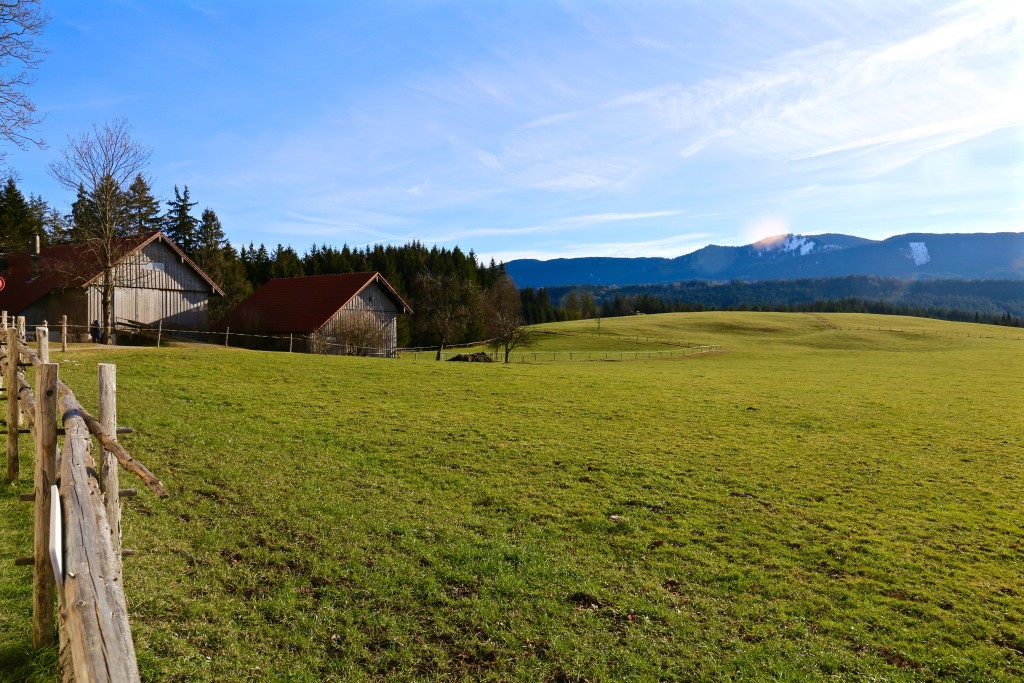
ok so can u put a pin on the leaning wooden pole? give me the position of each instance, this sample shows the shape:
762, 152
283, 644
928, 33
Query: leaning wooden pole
12, 403
93, 609
45, 432
109, 484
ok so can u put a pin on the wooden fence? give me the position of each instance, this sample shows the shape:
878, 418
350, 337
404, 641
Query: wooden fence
77, 518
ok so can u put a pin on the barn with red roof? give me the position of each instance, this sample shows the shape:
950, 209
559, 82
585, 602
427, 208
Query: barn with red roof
348, 313
154, 281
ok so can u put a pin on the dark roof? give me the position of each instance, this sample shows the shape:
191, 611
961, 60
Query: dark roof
302, 304
71, 265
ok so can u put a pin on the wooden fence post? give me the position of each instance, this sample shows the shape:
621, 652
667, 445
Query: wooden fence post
109, 484
46, 475
159, 332
64, 333
12, 403
5, 320
43, 343
289, 342
20, 324
227, 332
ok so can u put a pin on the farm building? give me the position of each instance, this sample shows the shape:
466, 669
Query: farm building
350, 313
154, 281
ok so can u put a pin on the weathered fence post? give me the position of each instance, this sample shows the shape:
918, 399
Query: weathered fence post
20, 324
12, 403
43, 343
227, 332
159, 332
5, 319
109, 484
289, 342
46, 474
64, 333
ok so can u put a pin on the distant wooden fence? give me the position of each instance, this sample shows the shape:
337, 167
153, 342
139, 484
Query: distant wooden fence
77, 548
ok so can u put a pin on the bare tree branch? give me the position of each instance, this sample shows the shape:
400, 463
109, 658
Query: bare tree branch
21, 21
101, 165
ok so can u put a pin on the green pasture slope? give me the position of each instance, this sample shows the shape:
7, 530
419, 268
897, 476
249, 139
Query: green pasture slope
808, 504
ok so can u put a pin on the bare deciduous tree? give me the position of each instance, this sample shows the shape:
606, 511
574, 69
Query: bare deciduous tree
361, 333
443, 307
21, 21
102, 164
503, 316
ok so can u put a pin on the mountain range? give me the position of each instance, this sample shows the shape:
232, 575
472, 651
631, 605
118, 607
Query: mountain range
974, 256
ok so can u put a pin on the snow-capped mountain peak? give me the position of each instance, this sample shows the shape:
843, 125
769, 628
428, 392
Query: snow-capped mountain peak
787, 244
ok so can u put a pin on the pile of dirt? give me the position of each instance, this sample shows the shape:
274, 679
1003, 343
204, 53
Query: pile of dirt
478, 357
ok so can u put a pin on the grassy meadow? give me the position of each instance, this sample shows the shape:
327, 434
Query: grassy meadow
810, 503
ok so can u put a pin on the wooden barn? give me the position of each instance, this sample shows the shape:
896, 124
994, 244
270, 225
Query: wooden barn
154, 282
350, 313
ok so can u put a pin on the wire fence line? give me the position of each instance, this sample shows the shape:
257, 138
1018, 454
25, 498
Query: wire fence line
538, 356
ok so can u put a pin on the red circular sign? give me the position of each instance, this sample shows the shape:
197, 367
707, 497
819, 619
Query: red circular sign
2, 284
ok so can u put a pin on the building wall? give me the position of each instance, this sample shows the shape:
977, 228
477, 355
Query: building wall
153, 284
366, 326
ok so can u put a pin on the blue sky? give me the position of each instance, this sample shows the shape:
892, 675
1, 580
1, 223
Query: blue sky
548, 129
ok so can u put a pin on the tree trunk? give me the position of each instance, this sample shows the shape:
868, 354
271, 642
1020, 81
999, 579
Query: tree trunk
440, 347
108, 306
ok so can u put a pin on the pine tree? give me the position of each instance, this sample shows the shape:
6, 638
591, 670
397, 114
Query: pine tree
210, 235
143, 210
17, 220
83, 216
179, 223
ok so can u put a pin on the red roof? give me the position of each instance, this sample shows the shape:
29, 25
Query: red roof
302, 304
71, 265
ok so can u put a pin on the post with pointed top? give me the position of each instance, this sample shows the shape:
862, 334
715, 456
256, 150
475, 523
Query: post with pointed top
64, 333
45, 476
109, 484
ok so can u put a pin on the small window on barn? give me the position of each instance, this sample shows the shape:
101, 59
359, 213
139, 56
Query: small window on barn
156, 265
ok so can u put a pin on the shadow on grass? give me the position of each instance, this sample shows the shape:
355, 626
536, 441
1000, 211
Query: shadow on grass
22, 663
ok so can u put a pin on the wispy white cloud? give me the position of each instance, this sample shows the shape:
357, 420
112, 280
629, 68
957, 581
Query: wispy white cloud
489, 160
560, 225
674, 245
953, 82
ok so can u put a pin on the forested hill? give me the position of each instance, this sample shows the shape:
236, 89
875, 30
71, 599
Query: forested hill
986, 256
990, 300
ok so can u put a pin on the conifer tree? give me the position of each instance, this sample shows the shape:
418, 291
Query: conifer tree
179, 223
143, 209
210, 235
18, 222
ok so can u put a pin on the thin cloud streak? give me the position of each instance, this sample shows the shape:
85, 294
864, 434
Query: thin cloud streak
676, 245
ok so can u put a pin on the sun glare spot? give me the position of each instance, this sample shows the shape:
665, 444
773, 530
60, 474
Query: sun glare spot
767, 231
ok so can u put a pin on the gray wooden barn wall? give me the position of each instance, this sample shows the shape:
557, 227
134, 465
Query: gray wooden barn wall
368, 320
143, 293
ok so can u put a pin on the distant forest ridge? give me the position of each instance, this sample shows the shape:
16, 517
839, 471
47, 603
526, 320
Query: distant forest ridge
927, 256
989, 301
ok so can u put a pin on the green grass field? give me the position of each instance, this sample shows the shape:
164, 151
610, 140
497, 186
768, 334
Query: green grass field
807, 504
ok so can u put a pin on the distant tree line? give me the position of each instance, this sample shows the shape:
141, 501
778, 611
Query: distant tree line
997, 302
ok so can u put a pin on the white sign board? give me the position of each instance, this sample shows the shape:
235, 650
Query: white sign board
56, 536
